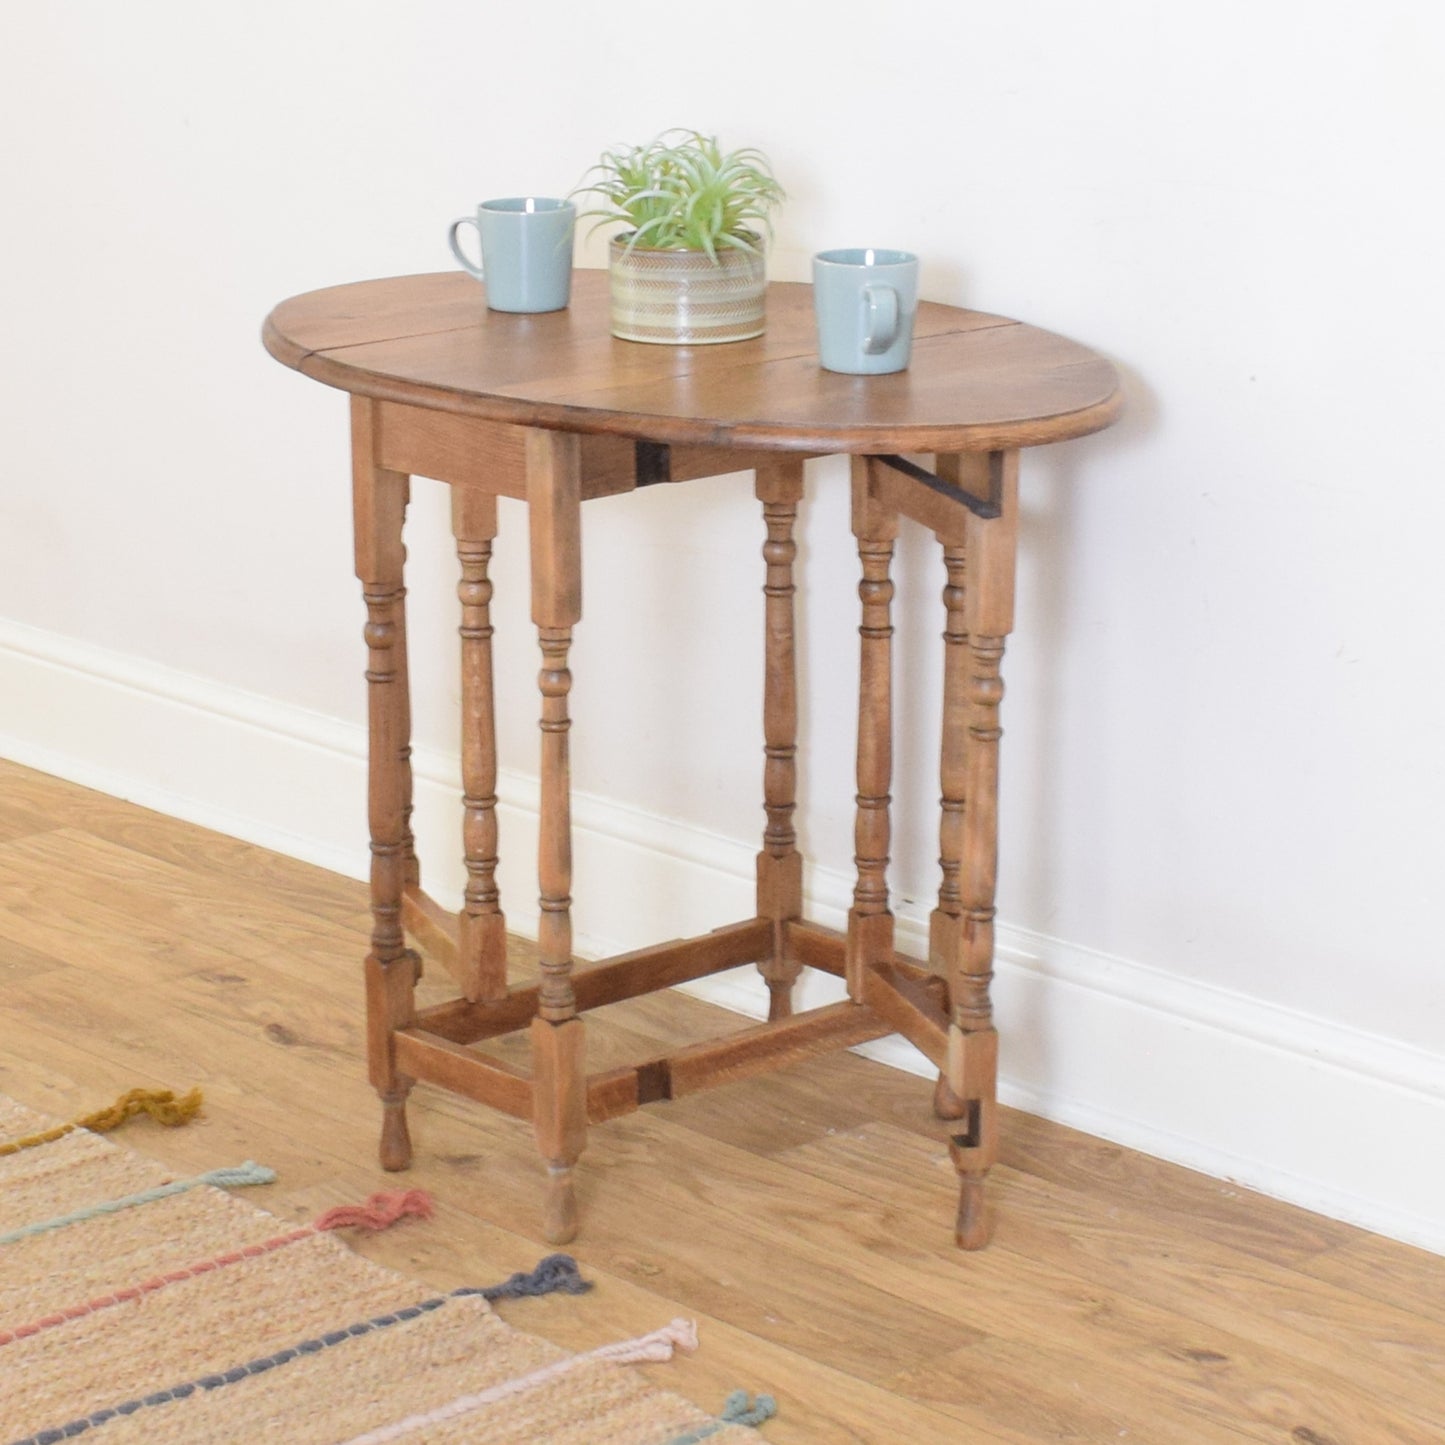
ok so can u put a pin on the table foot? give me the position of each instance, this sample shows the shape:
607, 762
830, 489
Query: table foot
559, 1101
559, 1205
395, 1151
947, 1104
972, 1230
780, 999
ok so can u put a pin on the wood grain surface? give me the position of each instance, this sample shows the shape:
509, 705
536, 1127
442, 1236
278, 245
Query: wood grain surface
976, 381
796, 1217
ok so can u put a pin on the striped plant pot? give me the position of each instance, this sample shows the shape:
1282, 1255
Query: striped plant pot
685, 298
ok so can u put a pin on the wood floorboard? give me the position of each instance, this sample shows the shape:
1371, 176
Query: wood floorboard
48, 803
1152, 1259
803, 1218
1383, 1269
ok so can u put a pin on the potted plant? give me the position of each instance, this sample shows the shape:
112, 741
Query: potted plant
688, 268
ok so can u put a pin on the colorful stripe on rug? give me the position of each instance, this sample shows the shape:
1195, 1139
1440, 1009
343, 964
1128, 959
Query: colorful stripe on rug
556, 1272
378, 1213
155, 1311
236, 1178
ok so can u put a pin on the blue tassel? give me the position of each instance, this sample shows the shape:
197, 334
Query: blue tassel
558, 1272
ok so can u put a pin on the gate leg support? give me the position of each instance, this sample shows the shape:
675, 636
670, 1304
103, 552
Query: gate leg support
481, 926
870, 922
779, 487
962, 937
559, 1081
379, 501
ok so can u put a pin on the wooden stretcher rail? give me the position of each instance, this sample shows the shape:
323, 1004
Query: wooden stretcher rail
708, 1065
914, 1005
610, 981
436, 1060
815, 946
432, 928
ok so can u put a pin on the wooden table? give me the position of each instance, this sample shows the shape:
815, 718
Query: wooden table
551, 409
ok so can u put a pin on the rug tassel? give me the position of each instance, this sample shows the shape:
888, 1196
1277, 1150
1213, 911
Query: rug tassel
235, 1178
651, 1348
379, 1212
161, 1104
646, 1349
556, 1273
247, 1173
738, 1411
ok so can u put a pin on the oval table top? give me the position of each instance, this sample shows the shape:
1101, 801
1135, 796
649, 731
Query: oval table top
975, 382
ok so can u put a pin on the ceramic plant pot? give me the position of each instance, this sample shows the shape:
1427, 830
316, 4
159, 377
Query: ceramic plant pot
685, 298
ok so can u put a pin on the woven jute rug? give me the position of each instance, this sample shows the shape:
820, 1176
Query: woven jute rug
139, 1307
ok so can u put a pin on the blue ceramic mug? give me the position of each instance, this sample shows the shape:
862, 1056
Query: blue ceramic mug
865, 299
526, 251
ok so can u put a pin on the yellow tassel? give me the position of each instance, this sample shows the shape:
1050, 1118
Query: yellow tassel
14, 1146
161, 1104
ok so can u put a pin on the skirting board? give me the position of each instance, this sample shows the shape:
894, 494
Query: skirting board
1113, 1047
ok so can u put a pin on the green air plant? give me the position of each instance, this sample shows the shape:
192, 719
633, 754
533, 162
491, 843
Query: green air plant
682, 192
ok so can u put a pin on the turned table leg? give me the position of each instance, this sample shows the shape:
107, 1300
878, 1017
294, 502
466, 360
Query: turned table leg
482, 930
411, 868
962, 932
945, 929
380, 498
558, 1068
780, 866
870, 923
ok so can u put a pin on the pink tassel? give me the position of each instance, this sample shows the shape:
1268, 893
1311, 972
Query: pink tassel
656, 1347
379, 1212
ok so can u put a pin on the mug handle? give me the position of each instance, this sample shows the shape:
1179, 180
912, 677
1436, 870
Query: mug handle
466, 264
880, 318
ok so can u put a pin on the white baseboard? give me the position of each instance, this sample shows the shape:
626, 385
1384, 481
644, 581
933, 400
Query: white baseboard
1303, 1109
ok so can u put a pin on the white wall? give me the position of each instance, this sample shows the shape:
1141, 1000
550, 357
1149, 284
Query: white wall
1222, 774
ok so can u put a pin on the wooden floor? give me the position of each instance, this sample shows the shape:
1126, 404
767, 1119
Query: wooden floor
804, 1220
